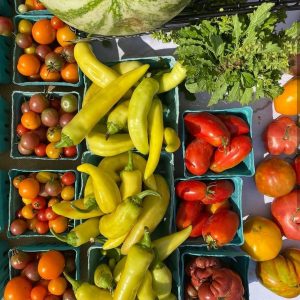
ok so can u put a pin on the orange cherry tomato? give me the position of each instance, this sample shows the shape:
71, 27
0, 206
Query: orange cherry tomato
18, 288
69, 73
51, 265
43, 33
52, 151
288, 102
52, 201
17, 180
39, 292
28, 212
28, 65
37, 5
64, 35
57, 22
32, 224
31, 120
29, 188
57, 286
58, 49
46, 75
68, 193
59, 224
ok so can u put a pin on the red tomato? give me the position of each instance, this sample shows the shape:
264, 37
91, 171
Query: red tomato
208, 127
68, 178
188, 213
286, 211
237, 150
191, 190
199, 224
235, 125
275, 177
282, 136
70, 151
40, 150
220, 228
41, 227
197, 156
42, 215
218, 191
296, 166
39, 202
57, 23
18, 288
21, 130
50, 214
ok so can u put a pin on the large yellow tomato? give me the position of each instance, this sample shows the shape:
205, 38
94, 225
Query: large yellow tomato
288, 102
263, 238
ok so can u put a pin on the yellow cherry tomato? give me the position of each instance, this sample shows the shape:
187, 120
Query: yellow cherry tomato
54, 134
263, 239
44, 176
30, 50
68, 193
288, 102
52, 151
28, 212
25, 26
52, 201
26, 201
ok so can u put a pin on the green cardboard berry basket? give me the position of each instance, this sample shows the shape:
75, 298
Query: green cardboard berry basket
4, 195
22, 80
30, 12
236, 202
246, 167
4, 125
15, 202
234, 260
4, 269
18, 98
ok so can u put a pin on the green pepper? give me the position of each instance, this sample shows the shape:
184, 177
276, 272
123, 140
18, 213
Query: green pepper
131, 180
103, 277
137, 263
106, 191
117, 118
86, 291
152, 213
162, 280
146, 291
120, 222
80, 234
139, 107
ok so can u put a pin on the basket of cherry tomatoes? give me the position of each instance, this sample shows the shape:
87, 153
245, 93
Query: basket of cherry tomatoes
32, 195
37, 122
36, 272
44, 52
34, 7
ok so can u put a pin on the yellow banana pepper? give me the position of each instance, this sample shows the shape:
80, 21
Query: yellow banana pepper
126, 66
171, 140
91, 91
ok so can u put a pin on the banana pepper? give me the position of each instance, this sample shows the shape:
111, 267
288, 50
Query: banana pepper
146, 291
86, 119
126, 66
106, 191
103, 277
171, 140
117, 118
161, 280
139, 107
91, 91
115, 242
120, 221
152, 213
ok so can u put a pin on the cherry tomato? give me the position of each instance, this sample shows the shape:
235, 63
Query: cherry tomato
18, 227
68, 178
40, 150
38, 5
57, 286
26, 201
51, 265
52, 151
57, 23
47, 75
18, 288
29, 188
59, 225
42, 215
17, 180
43, 33
68, 193
28, 212
188, 213
50, 214
69, 73
54, 134
42, 51
31, 120
58, 49
70, 151
30, 50
218, 191
39, 292
25, 26
21, 130
28, 64
64, 35
44, 283
42, 227
23, 40
68, 54
31, 223
52, 201
191, 190
39, 203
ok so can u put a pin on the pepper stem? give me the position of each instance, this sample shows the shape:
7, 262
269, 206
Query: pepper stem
75, 284
70, 238
65, 141
92, 206
129, 166
137, 199
146, 240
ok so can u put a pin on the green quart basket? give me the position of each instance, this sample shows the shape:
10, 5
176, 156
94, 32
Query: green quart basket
245, 168
231, 259
236, 203
4, 196
18, 98
30, 12
164, 168
4, 268
22, 80
15, 202
4, 125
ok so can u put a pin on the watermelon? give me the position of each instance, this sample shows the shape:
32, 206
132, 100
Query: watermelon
115, 17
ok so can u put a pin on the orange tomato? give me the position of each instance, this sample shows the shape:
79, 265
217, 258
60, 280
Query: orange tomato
51, 265
38, 5
47, 75
28, 65
263, 238
64, 35
29, 3
288, 102
31, 120
18, 288
43, 33
52, 151
28, 212
69, 73
68, 193
29, 188
58, 49
57, 286
52, 201
59, 224
39, 292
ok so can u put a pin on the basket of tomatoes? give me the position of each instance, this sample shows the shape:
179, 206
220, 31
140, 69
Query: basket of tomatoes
32, 195
214, 209
33, 7
44, 53
37, 122
218, 143
37, 272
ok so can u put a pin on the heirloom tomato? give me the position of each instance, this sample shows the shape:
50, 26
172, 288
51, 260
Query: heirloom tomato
218, 191
191, 190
